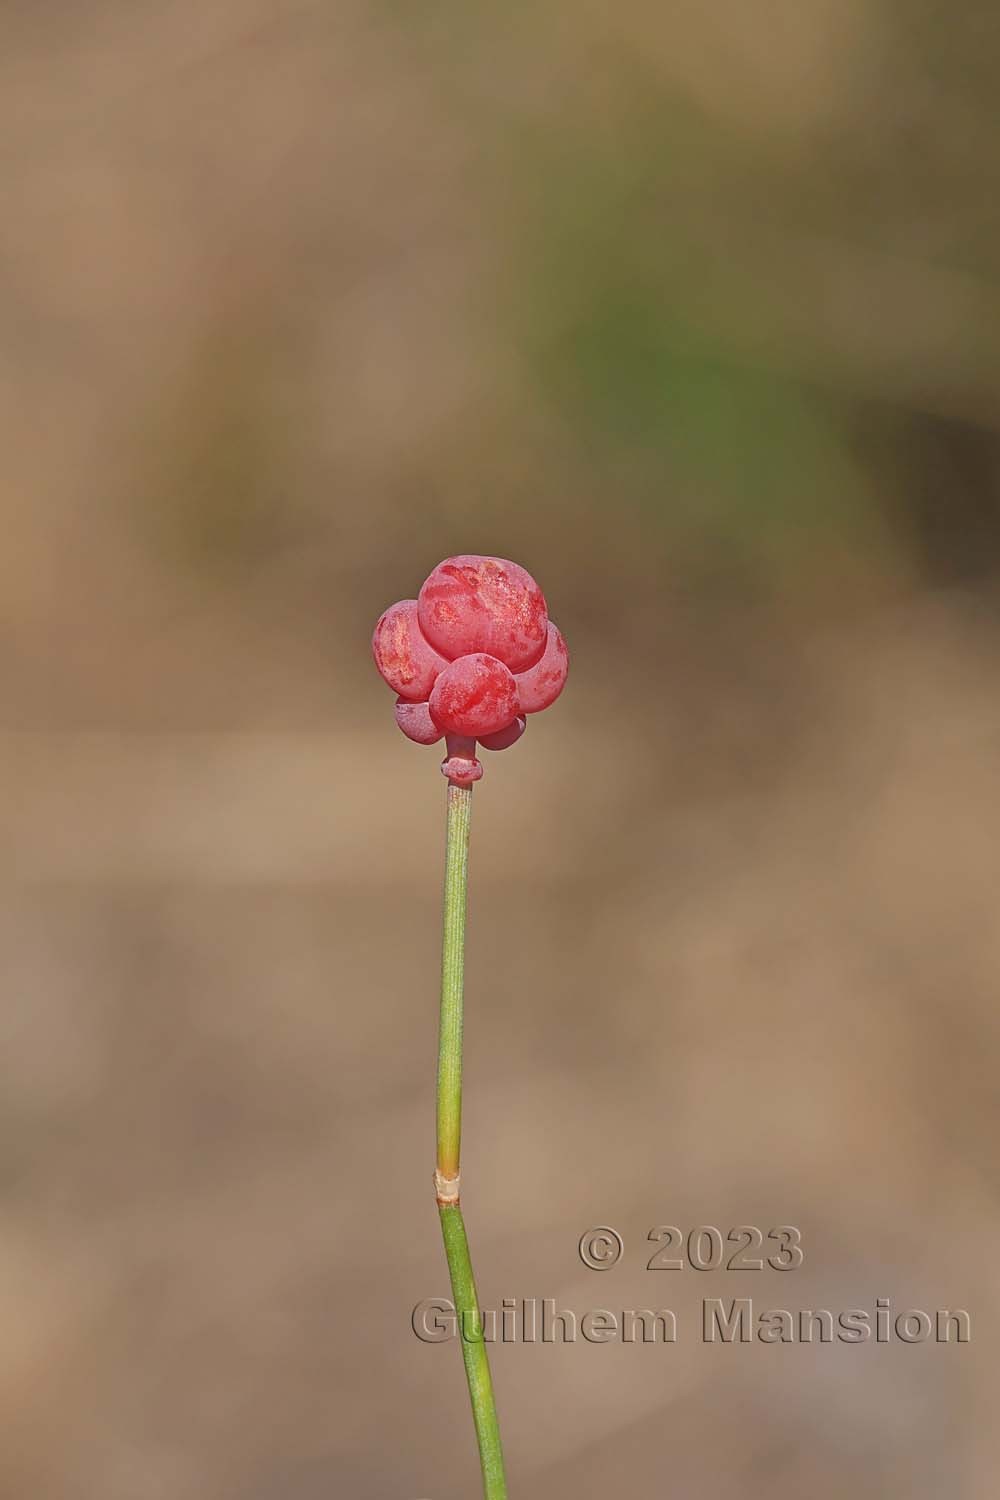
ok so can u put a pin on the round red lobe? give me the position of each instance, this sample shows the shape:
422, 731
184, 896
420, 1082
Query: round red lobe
484, 604
542, 683
474, 696
404, 657
505, 738
414, 719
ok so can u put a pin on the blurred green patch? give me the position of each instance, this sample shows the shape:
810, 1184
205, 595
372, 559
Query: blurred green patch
640, 327
735, 448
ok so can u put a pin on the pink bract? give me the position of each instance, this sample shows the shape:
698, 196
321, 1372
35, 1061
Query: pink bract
461, 765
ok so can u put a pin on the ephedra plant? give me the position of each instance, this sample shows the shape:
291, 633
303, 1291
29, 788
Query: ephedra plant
469, 659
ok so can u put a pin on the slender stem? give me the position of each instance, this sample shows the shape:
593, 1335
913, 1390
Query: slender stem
477, 1365
449, 1083
449, 1142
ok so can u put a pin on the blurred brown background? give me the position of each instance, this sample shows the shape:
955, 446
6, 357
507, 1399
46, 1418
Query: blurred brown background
694, 311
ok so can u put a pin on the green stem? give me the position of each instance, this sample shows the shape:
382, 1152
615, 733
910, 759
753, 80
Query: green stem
449, 1082
449, 1143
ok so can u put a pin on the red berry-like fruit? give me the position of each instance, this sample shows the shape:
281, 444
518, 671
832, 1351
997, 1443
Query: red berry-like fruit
542, 683
484, 604
474, 696
403, 655
469, 658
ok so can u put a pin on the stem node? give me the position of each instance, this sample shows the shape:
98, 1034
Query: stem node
446, 1188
